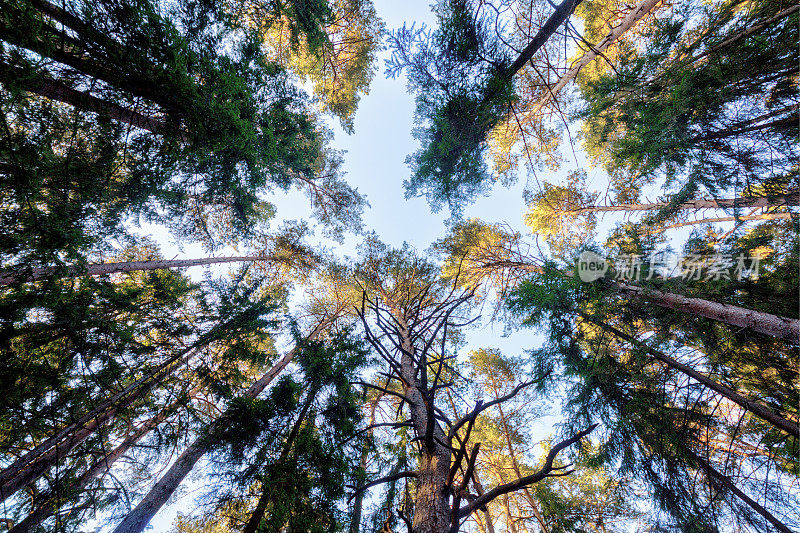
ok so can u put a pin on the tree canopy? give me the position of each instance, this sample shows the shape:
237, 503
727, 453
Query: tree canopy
203, 328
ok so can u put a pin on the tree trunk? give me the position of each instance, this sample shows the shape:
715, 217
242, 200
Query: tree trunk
37, 461
486, 514
100, 269
59, 91
355, 521
140, 517
268, 490
431, 501
558, 17
58, 46
763, 216
51, 505
761, 411
787, 329
634, 15
753, 124
792, 198
512, 454
724, 481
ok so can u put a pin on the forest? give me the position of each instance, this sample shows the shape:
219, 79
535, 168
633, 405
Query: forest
382, 266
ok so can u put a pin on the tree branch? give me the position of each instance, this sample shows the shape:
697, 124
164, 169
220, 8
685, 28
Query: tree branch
546, 471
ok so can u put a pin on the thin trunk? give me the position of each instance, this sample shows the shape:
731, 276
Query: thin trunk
787, 329
634, 15
754, 124
355, 521
100, 269
140, 517
682, 61
512, 454
37, 461
511, 524
725, 481
486, 514
718, 220
268, 490
51, 505
558, 17
791, 198
761, 411
61, 92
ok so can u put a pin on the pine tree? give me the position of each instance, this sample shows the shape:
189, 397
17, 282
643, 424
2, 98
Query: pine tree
414, 312
631, 365
675, 111
463, 74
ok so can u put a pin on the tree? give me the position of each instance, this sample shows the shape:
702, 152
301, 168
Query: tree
463, 76
51, 502
590, 498
673, 112
290, 454
610, 347
141, 515
490, 254
104, 388
338, 58
414, 312
283, 251
239, 130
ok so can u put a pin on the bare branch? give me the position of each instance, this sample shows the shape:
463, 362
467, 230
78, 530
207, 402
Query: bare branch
544, 472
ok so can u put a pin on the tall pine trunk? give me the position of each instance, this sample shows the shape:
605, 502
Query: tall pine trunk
358, 502
51, 504
790, 199
138, 519
718, 220
556, 19
37, 461
81, 100
787, 329
784, 328
724, 481
431, 501
99, 269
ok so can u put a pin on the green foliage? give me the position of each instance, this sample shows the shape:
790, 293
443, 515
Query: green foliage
338, 56
458, 73
297, 444
703, 102
656, 422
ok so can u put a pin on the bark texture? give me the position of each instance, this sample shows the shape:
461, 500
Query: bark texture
431, 500
787, 329
556, 19
724, 481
